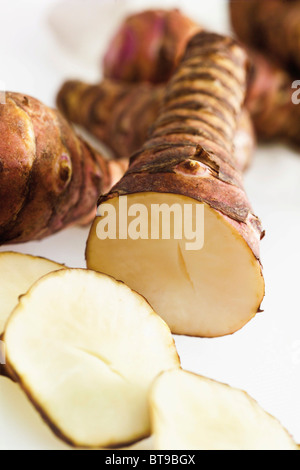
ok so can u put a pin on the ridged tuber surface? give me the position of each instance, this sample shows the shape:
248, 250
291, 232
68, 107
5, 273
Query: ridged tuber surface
117, 113
121, 115
272, 26
148, 46
189, 158
49, 177
190, 149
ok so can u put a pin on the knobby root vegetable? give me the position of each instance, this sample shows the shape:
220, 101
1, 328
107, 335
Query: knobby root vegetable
271, 26
85, 349
270, 92
202, 414
118, 114
121, 115
270, 102
148, 46
188, 166
49, 177
18, 273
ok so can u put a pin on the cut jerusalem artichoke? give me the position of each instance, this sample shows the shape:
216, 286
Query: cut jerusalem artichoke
85, 348
49, 177
202, 414
148, 46
120, 115
188, 167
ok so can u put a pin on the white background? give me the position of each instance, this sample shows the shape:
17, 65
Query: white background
43, 43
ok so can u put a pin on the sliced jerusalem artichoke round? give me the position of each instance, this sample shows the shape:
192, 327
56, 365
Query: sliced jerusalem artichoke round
192, 412
188, 167
85, 349
18, 273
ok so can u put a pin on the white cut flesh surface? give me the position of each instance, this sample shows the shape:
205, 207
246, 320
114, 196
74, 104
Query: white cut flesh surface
18, 272
195, 413
209, 292
86, 348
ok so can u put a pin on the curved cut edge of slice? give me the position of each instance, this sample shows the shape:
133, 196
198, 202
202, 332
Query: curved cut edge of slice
18, 272
204, 289
85, 348
192, 412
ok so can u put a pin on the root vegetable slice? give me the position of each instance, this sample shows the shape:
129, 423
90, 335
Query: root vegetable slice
85, 348
18, 272
192, 412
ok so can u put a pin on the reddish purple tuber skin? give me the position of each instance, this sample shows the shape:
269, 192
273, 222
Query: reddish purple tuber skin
49, 177
148, 46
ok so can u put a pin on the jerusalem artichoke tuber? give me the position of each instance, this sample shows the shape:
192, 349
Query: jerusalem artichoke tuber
271, 26
270, 102
121, 115
270, 92
188, 164
49, 177
148, 46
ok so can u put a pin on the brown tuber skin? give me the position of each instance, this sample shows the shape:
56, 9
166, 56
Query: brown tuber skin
197, 124
148, 46
118, 114
269, 100
49, 177
189, 157
121, 115
271, 26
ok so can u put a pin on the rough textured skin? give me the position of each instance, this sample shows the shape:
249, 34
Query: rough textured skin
190, 150
49, 177
272, 26
118, 114
148, 46
269, 101
121, 115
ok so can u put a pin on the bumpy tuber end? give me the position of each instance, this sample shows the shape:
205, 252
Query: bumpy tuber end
148, 46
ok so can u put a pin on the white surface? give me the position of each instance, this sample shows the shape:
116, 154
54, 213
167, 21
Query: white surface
264, 357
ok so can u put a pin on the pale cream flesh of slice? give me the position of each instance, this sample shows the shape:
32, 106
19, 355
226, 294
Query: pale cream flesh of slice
213, 291
195, 413
86, 348
17, 274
